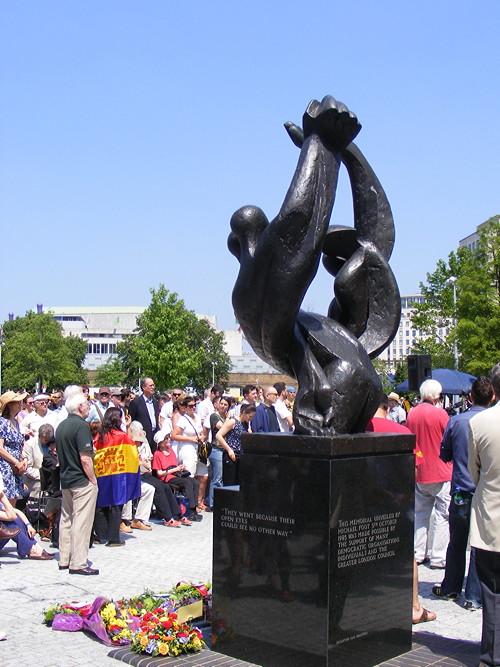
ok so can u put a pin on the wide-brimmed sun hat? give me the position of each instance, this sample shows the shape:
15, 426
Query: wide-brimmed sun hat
9, 397
137, 433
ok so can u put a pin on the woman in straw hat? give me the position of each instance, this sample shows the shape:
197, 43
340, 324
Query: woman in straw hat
12, 461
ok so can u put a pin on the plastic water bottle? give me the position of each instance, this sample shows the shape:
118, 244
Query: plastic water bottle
458, 498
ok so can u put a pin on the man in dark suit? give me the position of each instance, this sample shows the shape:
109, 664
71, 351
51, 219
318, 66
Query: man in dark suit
144, 409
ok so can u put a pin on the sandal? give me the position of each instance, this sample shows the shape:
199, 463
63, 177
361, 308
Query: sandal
185, 521
172, 523
425, 616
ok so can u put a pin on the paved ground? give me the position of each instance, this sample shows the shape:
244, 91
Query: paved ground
155, 560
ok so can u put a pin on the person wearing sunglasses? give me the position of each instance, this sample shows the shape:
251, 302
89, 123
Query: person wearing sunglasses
100, 406
188, 432
168, 407
40, 415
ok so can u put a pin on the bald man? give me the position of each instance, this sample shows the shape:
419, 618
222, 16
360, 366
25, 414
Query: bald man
266, 419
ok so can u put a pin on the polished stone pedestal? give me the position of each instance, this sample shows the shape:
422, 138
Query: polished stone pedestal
313, 553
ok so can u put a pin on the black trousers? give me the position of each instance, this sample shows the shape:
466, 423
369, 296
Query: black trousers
107, 523
166, 505
488, 571
190, 487
230, 471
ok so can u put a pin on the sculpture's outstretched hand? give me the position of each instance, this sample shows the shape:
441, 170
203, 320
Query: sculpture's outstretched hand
332, 121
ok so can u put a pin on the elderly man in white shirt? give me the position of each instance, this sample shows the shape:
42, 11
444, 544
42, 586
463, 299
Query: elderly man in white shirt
40, 415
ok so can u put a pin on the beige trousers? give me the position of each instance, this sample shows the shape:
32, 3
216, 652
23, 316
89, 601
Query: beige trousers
75, 528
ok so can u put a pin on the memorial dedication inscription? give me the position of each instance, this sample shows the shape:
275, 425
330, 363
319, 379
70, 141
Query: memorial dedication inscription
367, 539
255, 522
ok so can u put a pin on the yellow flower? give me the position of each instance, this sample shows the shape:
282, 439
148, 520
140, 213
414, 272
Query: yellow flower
163, 649
144, 641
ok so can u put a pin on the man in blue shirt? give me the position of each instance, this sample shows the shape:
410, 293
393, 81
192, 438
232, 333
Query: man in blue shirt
266, 420
454, 448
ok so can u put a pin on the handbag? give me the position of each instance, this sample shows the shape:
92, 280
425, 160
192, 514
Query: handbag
204, 451
178, 473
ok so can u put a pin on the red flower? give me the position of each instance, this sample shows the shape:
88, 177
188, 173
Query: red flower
147, 616
167, 624
172, 615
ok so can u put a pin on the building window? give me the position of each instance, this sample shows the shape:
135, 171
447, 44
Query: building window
96, 348
112, 348
89, 348
104, 348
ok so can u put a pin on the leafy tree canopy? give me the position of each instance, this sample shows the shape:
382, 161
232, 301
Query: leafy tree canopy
35, 350
173, 346
478, 306
111, 374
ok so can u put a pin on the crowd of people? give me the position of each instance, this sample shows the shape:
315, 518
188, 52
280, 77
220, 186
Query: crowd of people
457, 497
99, 467
106, 464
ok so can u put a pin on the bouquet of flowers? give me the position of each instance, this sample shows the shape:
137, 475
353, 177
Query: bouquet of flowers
119, 622
160, 633
185, 593
68, 609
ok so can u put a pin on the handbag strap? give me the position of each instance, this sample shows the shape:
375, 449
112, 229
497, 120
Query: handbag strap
194, 427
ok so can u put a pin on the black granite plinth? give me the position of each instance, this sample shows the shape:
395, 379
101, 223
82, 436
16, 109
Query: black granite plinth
313, 553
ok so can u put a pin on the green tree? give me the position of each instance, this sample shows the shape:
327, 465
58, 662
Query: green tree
111, 373
381, 368
401, 372
477, 310
173, 346
35, 350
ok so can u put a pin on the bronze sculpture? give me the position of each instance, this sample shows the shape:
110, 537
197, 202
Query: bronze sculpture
330, 355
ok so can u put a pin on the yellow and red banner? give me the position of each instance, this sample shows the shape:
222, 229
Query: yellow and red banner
117, 471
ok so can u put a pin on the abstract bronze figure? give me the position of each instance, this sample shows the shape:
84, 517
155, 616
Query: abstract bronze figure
329, 356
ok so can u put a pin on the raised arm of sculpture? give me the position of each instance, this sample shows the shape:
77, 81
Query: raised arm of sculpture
338, 387
280, 259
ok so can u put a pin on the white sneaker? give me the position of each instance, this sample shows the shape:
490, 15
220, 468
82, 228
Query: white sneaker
3, 635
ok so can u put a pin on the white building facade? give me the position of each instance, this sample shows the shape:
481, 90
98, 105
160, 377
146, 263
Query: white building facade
406, 336
103, 327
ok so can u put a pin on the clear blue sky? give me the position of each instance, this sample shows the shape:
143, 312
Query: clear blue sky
131, 131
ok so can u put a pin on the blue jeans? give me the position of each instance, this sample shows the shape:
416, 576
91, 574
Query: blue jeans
459, 519
216, 463
24, 543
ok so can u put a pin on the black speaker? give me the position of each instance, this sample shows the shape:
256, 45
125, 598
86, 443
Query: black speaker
419, 369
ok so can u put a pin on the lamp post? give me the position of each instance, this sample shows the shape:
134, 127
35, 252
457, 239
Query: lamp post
452, 282
213, 373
